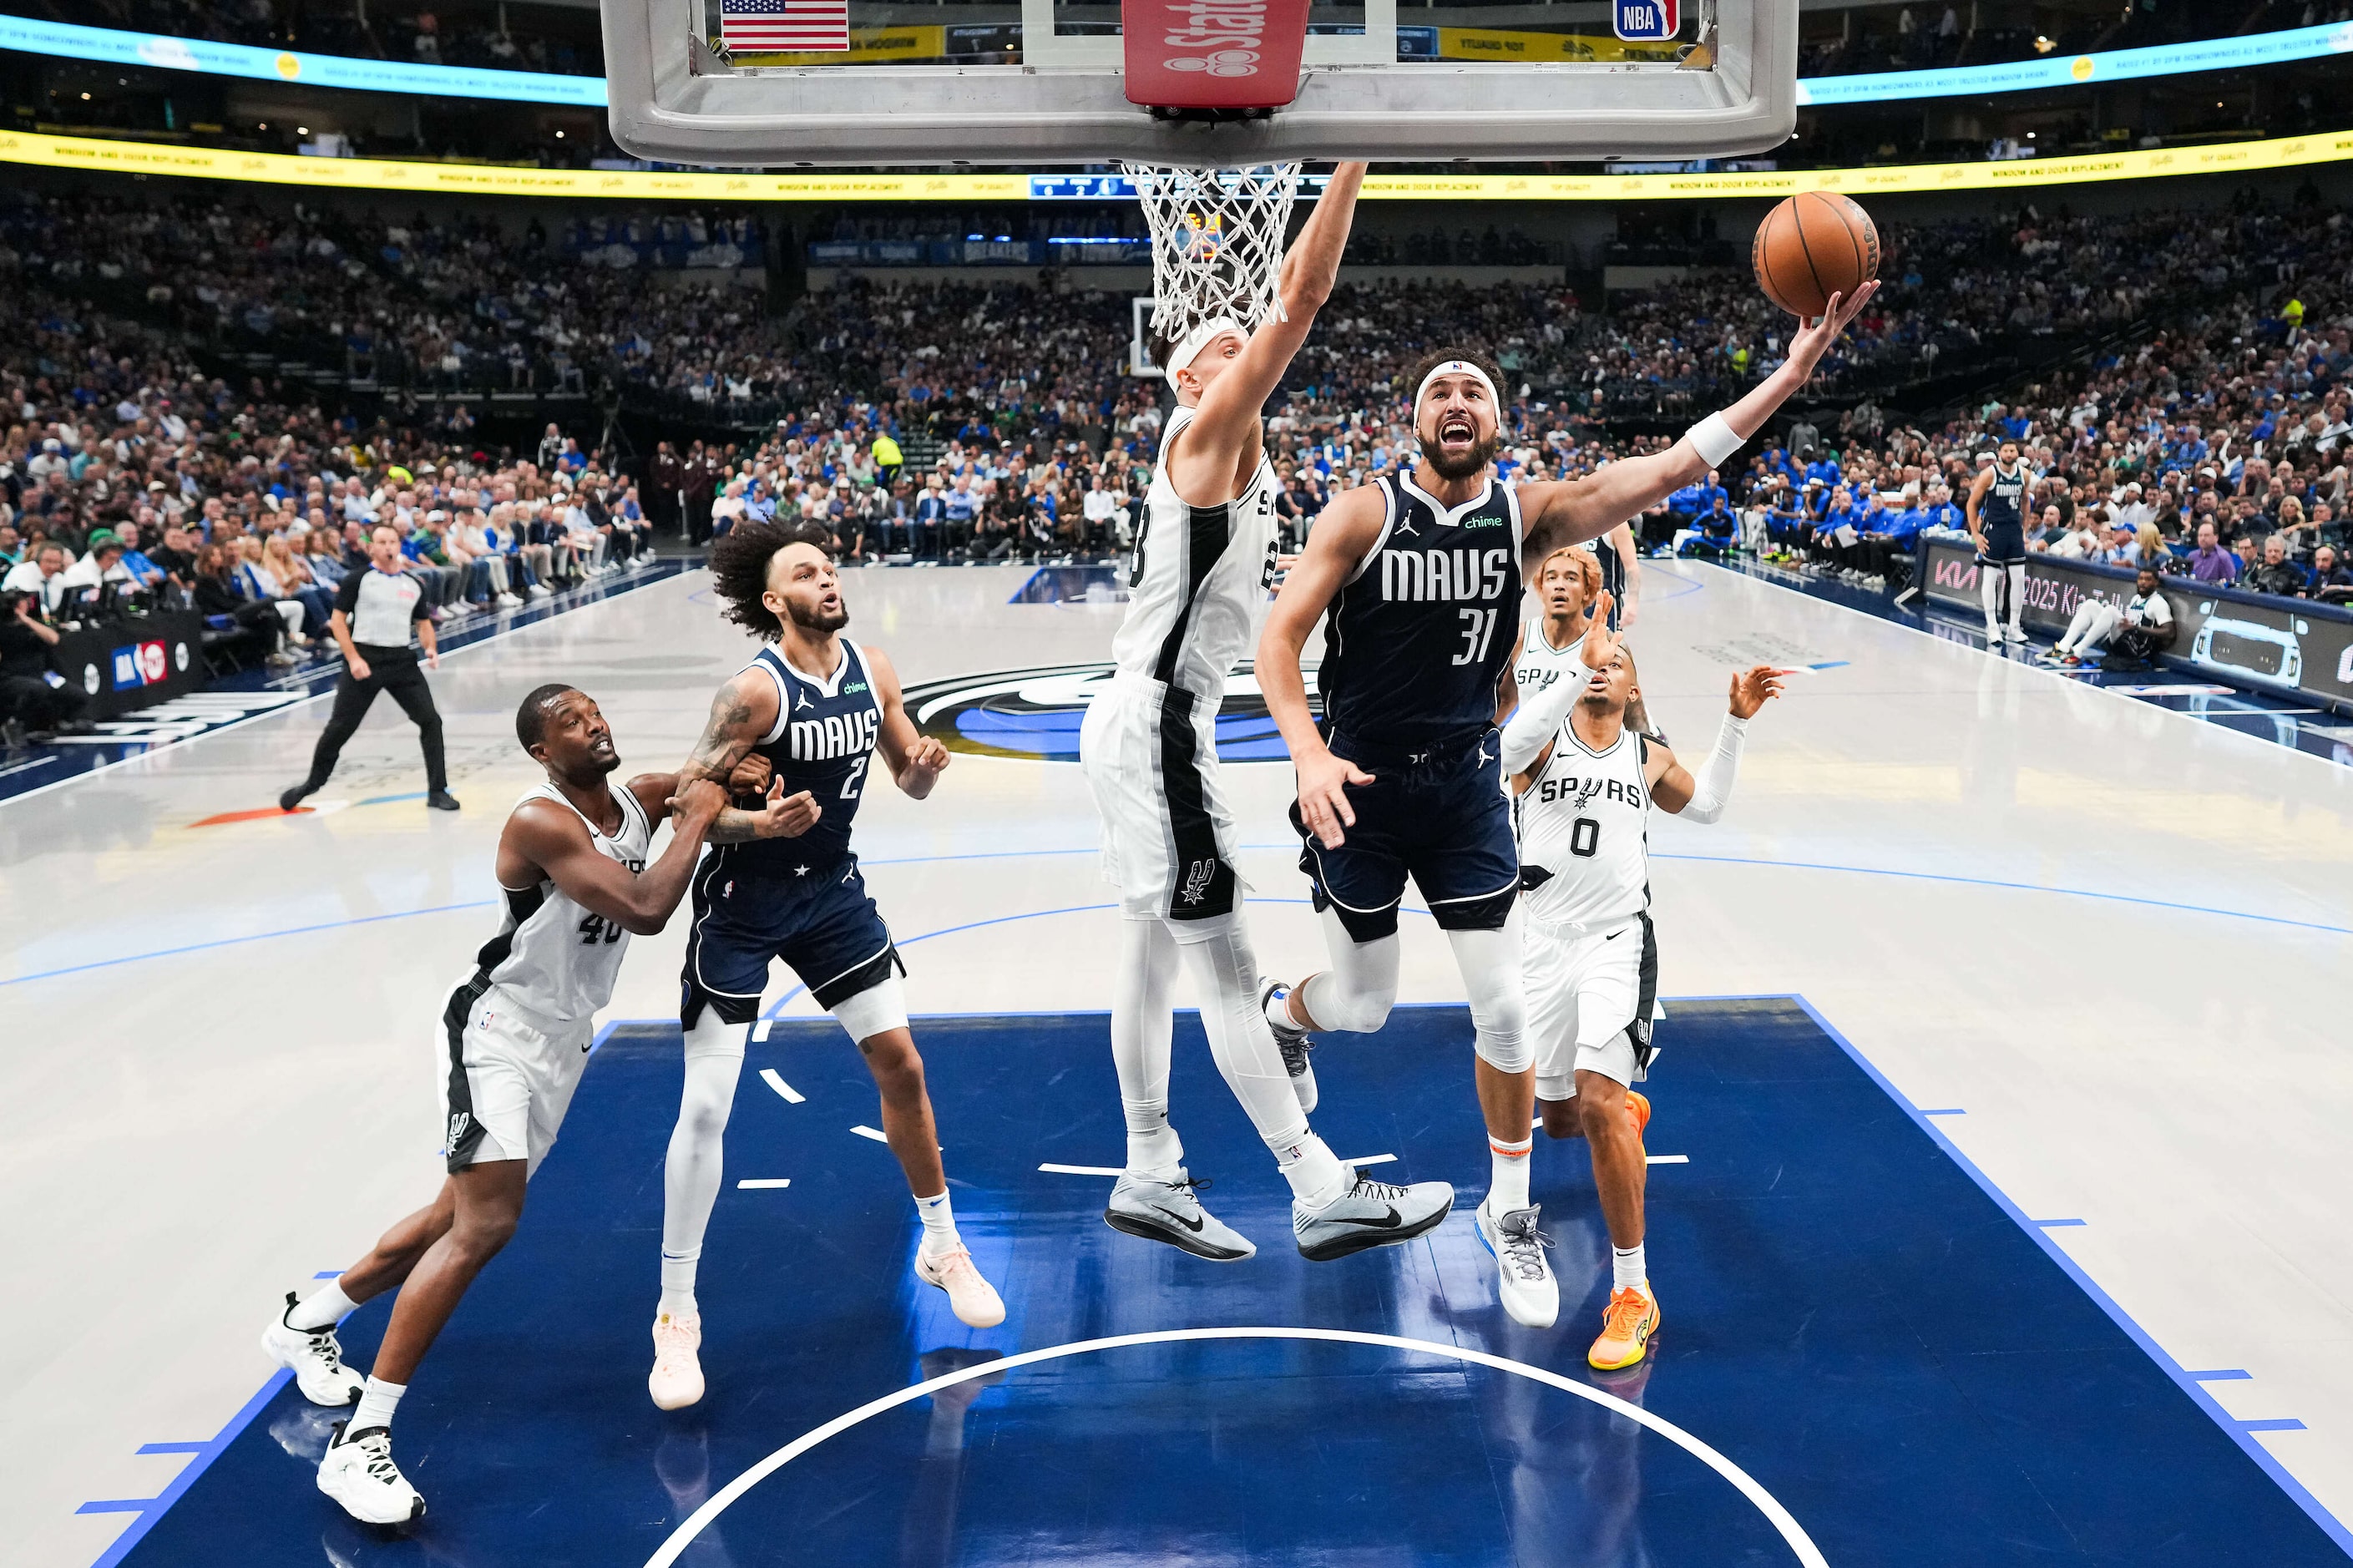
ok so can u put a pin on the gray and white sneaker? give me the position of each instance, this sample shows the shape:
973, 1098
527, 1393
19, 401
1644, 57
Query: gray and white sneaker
1295, 1043
1171, 1212
1370, 1214
316, 1359
358, 1473
1523, 1275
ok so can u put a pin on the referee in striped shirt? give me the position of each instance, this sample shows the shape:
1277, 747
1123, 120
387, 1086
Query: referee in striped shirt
373, 612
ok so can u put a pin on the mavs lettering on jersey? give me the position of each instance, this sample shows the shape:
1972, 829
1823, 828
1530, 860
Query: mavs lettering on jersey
1417, 640
823, 742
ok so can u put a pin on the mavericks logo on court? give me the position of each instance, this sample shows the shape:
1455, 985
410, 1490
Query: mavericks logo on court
1036, 713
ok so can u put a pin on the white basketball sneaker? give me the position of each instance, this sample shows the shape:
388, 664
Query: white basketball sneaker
316, 1359
358, 1473
676, 1381
974, 1300
1523, 1275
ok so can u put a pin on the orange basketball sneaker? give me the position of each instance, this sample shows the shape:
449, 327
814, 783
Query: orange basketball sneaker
1626, 1329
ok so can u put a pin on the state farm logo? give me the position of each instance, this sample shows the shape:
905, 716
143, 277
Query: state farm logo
1227, 31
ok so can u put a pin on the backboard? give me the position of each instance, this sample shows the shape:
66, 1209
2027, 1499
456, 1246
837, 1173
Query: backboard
1039, 82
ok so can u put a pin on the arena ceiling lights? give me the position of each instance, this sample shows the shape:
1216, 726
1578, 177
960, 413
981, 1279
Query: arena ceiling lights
68, 41
503, 180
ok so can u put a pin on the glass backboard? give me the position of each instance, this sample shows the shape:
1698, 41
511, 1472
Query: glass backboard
778, 83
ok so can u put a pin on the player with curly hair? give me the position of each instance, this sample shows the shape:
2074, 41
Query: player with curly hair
806, 716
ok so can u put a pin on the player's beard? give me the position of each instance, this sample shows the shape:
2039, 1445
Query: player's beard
813, 619
1467, 465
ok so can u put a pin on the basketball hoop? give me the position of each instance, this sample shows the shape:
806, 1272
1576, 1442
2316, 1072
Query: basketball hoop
1217, 241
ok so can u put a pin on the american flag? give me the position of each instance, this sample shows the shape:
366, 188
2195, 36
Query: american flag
784, 26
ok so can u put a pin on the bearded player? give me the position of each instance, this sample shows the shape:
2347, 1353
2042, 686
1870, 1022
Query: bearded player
1588, 781
1203, 562
1420, 576
817, 708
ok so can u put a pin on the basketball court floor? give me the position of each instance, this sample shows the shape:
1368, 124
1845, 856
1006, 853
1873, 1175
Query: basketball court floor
1997, 1197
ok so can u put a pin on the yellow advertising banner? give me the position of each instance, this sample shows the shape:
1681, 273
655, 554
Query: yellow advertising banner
868, 46
503, 180
1544, 48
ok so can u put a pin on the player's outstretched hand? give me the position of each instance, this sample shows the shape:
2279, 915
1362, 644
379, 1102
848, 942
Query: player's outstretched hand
698, 802
1752, 688
927, 759
1814, 339
1601, 644
1323, 796
786, 817
751, 775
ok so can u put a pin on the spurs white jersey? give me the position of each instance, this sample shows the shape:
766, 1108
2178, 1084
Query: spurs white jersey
1198, 575
554, 957
1540, 664
1584, 827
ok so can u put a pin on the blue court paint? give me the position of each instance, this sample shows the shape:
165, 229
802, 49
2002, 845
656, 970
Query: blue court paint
388, 799
1946, 1110
153, 1509
2281, 1423
2225, 1374
240, 940
2055, 1224
1854, 1357
175, 1447
2312, 1506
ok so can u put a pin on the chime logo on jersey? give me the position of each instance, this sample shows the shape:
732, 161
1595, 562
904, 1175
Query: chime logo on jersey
1036, 713
1424, 577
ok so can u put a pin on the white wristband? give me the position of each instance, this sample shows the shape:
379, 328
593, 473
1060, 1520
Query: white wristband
1714, 439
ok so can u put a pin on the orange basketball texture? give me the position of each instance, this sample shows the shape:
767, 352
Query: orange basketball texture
1813, 246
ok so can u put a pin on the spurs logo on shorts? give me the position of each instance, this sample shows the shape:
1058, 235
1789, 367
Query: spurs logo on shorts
1198, 874
459, 1122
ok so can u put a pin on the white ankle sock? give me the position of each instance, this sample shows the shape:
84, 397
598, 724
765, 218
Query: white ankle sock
1155, 1150
1507, 1178
378, 1401
1629, 1268
1316, 1176
320, 1308
678, 1283
1278, 1010
939, 1224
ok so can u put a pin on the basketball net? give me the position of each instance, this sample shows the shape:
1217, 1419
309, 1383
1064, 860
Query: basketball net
1217, 241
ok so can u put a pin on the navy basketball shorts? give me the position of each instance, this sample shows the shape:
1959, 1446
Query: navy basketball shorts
1438, 816
2005, 544
823, 924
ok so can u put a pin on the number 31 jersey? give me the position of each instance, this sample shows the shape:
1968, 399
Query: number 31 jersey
557, 958
1584, 829
823, 742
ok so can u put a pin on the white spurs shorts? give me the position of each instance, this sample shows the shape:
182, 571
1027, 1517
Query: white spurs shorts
1150, 755
507, 1078
1590, 998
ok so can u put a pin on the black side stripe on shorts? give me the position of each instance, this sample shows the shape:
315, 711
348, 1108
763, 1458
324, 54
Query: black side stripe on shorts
1207, 529
1205, 883
1638, 1031
464, 1133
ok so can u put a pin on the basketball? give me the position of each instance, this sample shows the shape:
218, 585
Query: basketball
1813, 246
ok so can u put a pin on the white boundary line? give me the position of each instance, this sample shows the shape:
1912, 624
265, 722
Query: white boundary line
1791, 1531
792, 1095
758, 1184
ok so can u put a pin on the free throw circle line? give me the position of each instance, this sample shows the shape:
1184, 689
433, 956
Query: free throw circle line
1792, 1533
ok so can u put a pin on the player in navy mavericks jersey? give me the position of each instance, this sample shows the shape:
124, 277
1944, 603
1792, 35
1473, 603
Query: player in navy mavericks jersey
783, 884
1996, 522
1420, 577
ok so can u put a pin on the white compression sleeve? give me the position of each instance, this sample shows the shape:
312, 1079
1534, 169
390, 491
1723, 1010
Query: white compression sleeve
1711, 785
1140, 1025
1535, 722
1490, 963
1356, 992
714, 1059
1218, 957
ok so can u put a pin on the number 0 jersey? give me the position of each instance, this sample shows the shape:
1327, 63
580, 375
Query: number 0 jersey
552, 956
822, 742
1584, 829
1415, 641
1196, 580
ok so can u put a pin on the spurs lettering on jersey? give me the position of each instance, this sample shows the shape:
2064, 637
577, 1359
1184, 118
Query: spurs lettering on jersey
1584, 834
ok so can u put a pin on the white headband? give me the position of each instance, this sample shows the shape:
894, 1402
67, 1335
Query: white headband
1187, 349
1457, 367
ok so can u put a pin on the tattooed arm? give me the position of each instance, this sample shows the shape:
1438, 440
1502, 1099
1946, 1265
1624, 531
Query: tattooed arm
743, 712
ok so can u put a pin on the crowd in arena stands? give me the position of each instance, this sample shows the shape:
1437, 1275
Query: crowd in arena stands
2202, 429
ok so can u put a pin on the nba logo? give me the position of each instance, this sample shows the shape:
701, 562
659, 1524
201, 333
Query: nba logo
1646, 21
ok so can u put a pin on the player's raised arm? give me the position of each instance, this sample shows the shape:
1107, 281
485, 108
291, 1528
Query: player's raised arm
543, 838
1232, 403
1703, 798
1336, 548
915, 759
1571, 511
